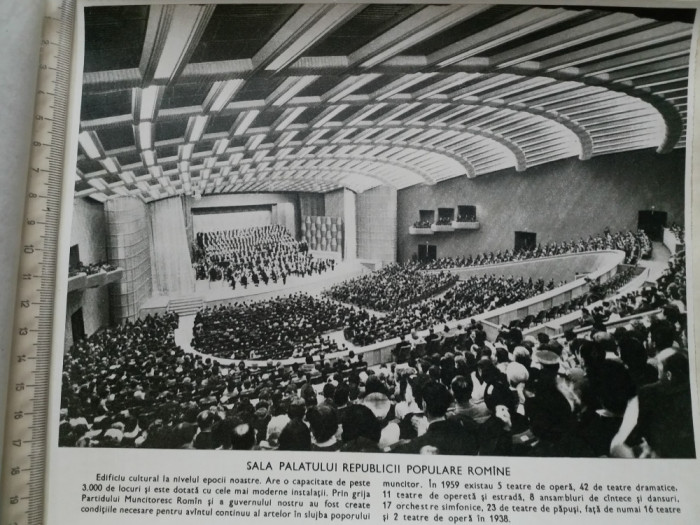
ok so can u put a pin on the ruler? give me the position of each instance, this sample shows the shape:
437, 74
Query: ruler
24, 457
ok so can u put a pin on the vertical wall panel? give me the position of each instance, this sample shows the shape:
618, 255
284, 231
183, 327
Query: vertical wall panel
285, 216
311, 205
350, 220
323, 233
171, 267
187, 201
128, 247
376, 224
334, 203
88, 231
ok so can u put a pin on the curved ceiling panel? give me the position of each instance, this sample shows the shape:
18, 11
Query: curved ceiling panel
325, 96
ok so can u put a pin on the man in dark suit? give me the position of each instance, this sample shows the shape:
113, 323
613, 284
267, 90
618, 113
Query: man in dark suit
446, 436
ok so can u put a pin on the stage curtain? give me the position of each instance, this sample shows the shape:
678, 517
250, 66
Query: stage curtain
170, 257
128, 248
189, 228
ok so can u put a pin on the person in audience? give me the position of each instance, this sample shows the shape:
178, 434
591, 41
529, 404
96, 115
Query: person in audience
445, 436
661, 412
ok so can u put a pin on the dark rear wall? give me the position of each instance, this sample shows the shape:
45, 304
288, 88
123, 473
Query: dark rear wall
559, 201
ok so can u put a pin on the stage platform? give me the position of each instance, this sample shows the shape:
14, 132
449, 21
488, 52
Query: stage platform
219, 292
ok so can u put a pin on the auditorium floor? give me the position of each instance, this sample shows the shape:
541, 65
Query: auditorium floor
658, 262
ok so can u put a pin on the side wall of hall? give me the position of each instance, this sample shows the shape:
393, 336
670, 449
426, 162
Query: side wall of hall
558, 201
376, 224
89, 232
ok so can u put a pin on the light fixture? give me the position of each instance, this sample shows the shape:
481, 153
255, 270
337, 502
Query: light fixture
195, 127
255, 141
289, 117
185, 151
220, 146
235, 158
330, 113
221, 93
156, 172
285, 138
127, 177
98, 184
90, 143
110, 165
244, 120
148, 157
289, 88
147, 100
353, 83
145, 135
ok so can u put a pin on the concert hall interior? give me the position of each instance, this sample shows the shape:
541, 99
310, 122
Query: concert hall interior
451, 229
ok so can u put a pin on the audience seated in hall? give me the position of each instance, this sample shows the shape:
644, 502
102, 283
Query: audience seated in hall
392, 286
90, 269
467, 298
623, 391
254, 256
131, 386
635, 245
279, 328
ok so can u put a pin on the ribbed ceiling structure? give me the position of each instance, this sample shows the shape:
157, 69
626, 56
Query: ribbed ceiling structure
238, 98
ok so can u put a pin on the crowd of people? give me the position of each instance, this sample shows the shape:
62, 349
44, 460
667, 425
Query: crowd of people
254, 256
392, 286
679, 232
620, 392
636, 246
624, 393
467, 298
468, 216
291, 326
90, 269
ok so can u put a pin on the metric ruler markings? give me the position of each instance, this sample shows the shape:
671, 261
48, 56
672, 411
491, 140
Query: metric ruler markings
24, 458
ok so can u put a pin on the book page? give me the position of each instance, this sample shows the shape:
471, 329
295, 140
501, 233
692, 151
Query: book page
377, 263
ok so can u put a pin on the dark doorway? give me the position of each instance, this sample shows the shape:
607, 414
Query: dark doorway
427, 252
77, 325
653, 223
525, 241
74, 256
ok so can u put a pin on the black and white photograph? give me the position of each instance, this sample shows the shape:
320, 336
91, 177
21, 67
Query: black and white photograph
438, 229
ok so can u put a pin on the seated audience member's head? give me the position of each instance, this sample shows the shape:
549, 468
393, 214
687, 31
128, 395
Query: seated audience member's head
374, 385
243, 437
613, 387
517, 374
295, 436
361, 426
379, 404
341, 395
297, 408
550, 415
592, 356
462, 388
328, 391
673, 366
632, 353
662, 335
436, 400
323, 421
